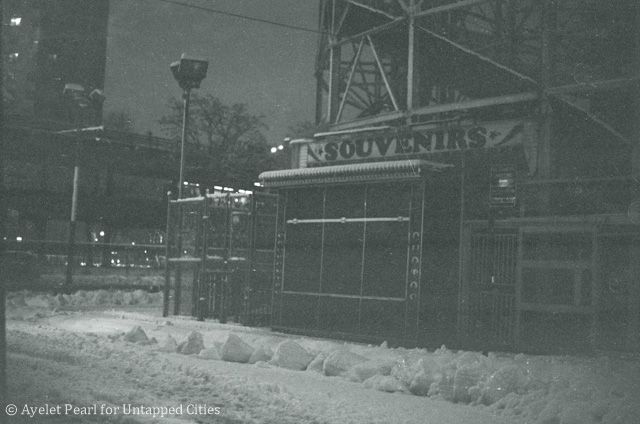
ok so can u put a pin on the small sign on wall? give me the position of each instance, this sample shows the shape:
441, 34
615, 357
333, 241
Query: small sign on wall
502, 191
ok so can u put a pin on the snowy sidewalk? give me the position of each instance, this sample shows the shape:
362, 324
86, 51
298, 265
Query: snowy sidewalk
119, 357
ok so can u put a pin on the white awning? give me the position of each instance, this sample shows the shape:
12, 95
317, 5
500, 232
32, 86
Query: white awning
356, 172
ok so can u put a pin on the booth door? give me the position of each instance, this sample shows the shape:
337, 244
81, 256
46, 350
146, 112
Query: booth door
345, 260
492, 287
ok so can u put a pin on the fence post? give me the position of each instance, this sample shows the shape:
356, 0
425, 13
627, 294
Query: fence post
167, 269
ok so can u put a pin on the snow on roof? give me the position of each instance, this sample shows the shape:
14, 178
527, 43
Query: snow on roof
397, 169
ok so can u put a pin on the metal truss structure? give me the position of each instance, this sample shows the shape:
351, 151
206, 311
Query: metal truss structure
383, 62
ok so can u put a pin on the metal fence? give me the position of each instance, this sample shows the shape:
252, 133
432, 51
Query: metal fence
220, 251
42, 264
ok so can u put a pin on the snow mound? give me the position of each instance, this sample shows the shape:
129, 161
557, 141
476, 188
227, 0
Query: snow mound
38, 301
261, 354
317, 363
193, 345
507, 379
340, 361
84, 298
170, 345
236, 350
422, 376
136, 335
17, 300
385, 383
291, 355
209, 353
465, 383
366, 370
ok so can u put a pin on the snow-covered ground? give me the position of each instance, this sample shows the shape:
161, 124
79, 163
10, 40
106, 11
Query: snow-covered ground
113, 357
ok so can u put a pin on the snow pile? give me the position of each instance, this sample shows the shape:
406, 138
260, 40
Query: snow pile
261, 354
365, 370
193, 345
236, 350
82, 298
341, 361
317, 363
170, 345
291, 355
136, 335
209, 353
385, 383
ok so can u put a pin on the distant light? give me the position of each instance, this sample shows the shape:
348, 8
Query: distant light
185, 183
18, 238
286, 139
83, 264
133, 243
280, 146
219, 188
227, 189
15, 21
14, 55
257, 184
101, 233
113, 261
274, 149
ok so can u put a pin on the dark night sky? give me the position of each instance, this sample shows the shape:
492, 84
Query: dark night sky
268, 67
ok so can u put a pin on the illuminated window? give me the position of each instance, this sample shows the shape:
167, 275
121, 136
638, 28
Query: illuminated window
16, 21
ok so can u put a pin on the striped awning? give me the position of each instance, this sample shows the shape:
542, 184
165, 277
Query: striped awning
356, 172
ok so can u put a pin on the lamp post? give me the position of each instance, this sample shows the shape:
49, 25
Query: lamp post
189, 72
78, 99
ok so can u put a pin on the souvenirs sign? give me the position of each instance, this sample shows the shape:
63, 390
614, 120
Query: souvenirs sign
402, 142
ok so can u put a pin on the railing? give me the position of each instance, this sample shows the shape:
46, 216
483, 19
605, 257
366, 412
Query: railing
42, 264
115, 255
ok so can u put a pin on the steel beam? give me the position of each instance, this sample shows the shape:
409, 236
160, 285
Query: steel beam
371, 9
448, 7
349, 79
477, 103
382, 74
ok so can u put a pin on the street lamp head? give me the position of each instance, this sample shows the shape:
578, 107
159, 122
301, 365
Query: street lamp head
189, 72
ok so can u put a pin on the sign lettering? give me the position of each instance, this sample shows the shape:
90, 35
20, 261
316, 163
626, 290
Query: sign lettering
413, 141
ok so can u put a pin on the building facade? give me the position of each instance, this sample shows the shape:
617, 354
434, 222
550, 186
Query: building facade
123, 177
474, 181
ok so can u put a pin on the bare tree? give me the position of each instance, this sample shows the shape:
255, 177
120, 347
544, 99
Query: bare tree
231, 137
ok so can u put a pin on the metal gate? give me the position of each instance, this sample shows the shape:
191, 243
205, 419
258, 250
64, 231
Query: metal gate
220, 251
491, 280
